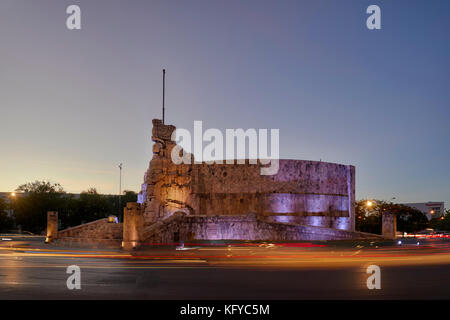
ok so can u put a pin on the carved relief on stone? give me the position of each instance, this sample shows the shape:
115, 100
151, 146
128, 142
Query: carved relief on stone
162, 131
157, 150
162, 137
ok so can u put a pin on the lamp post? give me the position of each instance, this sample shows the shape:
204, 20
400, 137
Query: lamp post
11, 199
120, 192
370, 203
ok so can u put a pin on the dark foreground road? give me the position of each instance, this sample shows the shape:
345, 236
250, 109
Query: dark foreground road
31, 270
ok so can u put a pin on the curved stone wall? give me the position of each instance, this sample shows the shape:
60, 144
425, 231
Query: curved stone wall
306, 192
313, 193
180, 227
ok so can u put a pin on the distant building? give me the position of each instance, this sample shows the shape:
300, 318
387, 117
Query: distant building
431, 209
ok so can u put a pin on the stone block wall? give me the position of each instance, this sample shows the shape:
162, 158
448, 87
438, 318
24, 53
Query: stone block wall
133, 225
181, 227
389, 225
52, 226
99, 232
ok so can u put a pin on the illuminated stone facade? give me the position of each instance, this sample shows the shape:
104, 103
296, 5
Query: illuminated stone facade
306, 193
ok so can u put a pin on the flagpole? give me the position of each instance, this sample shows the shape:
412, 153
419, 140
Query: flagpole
164, 94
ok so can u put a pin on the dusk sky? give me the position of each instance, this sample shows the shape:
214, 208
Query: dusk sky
76, 103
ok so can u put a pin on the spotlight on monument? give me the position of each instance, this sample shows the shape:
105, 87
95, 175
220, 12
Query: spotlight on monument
113, 219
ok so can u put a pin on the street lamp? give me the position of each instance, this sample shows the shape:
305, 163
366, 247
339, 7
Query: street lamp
11, 198
120, 191
370, 203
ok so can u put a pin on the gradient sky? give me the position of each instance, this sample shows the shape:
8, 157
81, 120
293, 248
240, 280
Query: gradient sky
74, 104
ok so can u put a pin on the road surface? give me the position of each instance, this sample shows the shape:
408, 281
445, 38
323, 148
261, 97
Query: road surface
30, 269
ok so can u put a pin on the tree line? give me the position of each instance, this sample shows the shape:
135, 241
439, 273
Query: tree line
37, 198
369, 218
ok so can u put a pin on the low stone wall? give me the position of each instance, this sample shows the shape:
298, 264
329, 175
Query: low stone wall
180, 227
164, 231
95, 233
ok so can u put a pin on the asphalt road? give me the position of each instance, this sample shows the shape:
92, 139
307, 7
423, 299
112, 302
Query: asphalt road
29, 269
